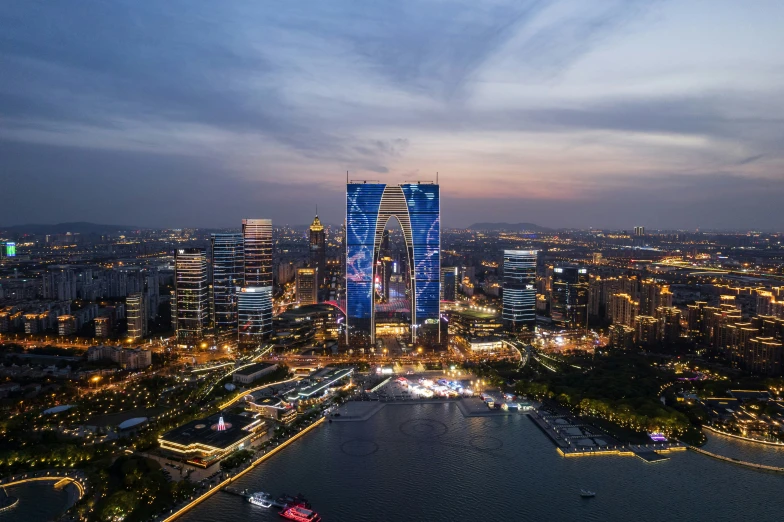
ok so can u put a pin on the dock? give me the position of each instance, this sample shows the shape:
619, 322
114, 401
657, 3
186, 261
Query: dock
244, 493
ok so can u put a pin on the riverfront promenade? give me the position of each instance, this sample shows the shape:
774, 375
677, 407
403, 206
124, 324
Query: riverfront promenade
193, 502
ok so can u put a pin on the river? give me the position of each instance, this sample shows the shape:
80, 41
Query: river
429, 462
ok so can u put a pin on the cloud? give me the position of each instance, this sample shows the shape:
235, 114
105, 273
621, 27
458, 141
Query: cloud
553, 103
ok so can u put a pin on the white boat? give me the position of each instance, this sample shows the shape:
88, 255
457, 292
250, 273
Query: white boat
261, 498
587, 494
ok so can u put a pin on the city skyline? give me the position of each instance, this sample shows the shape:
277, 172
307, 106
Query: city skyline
562, 114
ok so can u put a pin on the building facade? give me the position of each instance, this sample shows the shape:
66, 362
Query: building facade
519, 289
449, 283
227, 275
254, 300
307, 285
369, 207
191, 291
136, 311
318, 248
569, 297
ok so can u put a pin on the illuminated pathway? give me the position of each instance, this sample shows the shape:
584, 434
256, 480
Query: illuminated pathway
61, 478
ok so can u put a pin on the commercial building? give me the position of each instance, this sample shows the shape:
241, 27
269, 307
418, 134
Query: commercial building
227, 275
307, 285
519, 289
257, 246
449, 283
271, 408
136, 311
254, 309
369, 207
191, 291
203, 442
254, 301
569, 297
318, 249
253, 372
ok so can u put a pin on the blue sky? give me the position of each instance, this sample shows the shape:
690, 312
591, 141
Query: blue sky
608, 113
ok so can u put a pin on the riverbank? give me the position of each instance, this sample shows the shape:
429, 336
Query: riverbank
217, 487
745, 439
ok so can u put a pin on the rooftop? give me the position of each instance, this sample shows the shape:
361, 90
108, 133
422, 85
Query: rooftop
253, 368
205, 431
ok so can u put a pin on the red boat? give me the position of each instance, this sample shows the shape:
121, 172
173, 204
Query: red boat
300, 514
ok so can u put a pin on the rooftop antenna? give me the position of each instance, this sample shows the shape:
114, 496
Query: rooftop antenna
316, 209
346, 177
436, 178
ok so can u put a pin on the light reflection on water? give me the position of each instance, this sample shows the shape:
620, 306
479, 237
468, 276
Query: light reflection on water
428, 462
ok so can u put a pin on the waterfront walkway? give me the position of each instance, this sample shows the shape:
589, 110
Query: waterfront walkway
763, 467
192, 502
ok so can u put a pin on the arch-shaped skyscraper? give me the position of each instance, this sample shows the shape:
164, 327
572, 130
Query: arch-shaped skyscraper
369, 206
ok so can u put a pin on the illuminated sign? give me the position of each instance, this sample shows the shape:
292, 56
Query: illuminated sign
558, 270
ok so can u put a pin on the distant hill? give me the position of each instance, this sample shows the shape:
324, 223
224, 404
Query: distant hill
78, 227
509, 227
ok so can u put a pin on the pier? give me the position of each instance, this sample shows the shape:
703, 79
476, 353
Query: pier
568, 447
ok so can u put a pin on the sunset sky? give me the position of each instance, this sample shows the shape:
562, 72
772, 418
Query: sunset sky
186, 113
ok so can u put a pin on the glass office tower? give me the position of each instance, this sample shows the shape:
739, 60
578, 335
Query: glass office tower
190, 287
569, 297
519, 286
449, 283
369, 207
254, 299
227, 276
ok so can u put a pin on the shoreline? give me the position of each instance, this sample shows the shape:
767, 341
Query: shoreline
461, 405
745, 439
218, 487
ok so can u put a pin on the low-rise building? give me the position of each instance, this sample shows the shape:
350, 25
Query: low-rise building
254, 371
203, 442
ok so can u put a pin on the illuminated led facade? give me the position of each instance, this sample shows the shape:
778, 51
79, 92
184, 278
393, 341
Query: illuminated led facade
190, 288
254, 299
519, 287
227, 276
369, 207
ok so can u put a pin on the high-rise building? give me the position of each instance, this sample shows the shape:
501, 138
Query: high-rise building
254, 306
254, 300
369, 207
190, 287
569, 297
137, 314
307, 286
227, 276
318, 249
639, 231
519, 287
257, 245
449, 283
